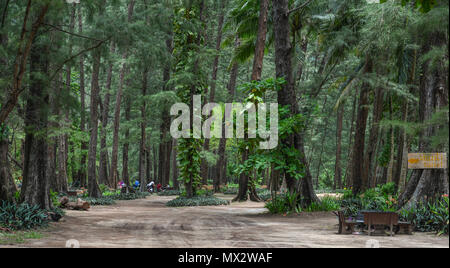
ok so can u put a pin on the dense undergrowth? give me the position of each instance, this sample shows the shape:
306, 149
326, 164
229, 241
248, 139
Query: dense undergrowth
426, 216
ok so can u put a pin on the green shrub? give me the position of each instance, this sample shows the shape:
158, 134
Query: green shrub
265, 195
197, 201
54, 197
22, 216
230, 190
110, 193
351, 206
204, 192
102, 201
429, 216
326, 204
169, 193
277, 206
103, 188
130, 196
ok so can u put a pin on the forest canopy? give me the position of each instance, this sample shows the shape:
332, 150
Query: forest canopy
86, 91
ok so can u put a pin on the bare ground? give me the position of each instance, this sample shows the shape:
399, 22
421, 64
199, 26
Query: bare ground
149, 223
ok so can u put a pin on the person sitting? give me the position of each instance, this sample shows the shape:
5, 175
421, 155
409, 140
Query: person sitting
151, 187
137, 184
158, 187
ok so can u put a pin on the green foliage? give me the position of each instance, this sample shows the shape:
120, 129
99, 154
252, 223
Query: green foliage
429, 216
197, 201
18, 237
264, 195
102, 201
423, 5
110, 198
278, 205
4, 131
169, 193
22, 216
108, 193
283, 204
54, 197
231, 190
381, 198
189, 161
103, 188
326, 204
130, 196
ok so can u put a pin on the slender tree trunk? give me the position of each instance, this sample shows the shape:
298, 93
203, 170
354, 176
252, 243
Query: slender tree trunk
103, 177
392, 143
84, 145
20, 63
94, 190
360, 134
126, 144
349, 168
256, 76
261, 40
367, 179
212, 93
175, 182
142, 144
337, 166
123, 71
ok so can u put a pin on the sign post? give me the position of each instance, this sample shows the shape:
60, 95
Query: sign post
427, 161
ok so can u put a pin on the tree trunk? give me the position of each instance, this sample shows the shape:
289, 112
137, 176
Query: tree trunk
370, 156
84, 145
360, 134
142, 144
337, 166
103, 169
36, 186
349, 168
287, 95
126, 144
93, 188
212, 93
390, 172
123, 71
256, 76
433, 91
175, 182
261, 40
7, 185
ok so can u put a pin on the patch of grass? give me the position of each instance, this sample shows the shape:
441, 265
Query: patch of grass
197, 201
169, 193
102, 201
19, 237
111, 198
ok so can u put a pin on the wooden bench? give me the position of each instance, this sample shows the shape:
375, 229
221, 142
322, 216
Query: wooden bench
345, 226
373, 218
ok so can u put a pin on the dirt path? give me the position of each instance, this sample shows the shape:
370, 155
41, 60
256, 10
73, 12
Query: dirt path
149, 223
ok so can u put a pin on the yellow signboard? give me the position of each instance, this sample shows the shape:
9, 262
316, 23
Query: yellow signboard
427, 161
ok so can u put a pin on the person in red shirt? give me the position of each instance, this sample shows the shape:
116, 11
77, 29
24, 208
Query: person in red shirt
158, 187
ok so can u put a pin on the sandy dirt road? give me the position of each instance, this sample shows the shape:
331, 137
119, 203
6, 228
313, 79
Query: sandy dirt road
149, 223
